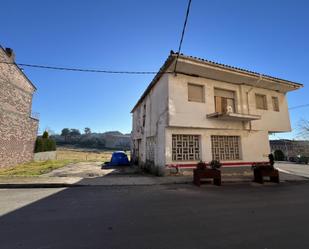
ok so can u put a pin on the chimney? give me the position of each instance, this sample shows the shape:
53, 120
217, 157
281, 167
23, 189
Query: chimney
10, 53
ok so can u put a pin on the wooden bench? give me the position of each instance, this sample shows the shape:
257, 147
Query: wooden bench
199, 174
261, 171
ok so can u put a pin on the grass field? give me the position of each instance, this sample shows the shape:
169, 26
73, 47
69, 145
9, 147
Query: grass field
64, 157
34, 168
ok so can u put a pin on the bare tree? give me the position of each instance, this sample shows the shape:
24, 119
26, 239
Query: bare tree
304, 129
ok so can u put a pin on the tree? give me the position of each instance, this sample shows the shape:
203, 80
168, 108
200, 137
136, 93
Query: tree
87, 131
44, 144
74, 132
279, 155
304, 128
45, 135
65, 132
38, 145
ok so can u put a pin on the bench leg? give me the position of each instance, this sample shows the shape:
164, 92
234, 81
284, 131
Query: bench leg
217, 181
274, 179
197, 181
258, 178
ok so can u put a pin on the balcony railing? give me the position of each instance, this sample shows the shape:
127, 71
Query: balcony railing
35, 115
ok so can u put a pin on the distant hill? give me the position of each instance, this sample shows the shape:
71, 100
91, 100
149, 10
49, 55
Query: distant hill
106, 140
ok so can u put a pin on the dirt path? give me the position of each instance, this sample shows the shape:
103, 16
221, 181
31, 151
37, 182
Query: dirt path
88, 170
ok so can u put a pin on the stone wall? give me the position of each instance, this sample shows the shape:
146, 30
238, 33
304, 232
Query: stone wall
18, 130
44, 156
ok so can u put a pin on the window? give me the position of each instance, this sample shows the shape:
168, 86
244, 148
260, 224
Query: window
275, 102
185, 147
224, 101
261, 101
195, 93
225, 147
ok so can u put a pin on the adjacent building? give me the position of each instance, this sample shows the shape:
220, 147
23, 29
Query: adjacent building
203, 111
291, 148
18, 129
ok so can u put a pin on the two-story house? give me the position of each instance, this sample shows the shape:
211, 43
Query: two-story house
207, 111
18, 129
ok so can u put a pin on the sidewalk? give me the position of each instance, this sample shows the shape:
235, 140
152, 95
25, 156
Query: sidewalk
123, 180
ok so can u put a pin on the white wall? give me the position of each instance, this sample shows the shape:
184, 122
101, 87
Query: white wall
156, 120
254, 145
193, 114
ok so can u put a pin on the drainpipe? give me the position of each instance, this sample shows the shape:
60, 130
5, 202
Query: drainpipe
258, 81
248, 107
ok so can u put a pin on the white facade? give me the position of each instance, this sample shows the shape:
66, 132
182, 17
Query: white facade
225, 122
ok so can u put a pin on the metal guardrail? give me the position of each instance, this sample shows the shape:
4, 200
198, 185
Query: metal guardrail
35, 115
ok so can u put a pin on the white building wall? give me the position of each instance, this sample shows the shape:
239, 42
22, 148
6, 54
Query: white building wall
254, 145
169, 112
193, 114
155, 122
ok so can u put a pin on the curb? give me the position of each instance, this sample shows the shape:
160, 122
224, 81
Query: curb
38, 185
72, 185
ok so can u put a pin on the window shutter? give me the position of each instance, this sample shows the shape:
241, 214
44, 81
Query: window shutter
195, 93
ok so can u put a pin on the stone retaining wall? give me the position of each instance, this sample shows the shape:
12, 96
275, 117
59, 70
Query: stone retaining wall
44, 156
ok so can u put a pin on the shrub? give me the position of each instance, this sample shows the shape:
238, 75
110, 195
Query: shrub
201, 165
279, 155
44, 144
215, 164
38, 145
45, 135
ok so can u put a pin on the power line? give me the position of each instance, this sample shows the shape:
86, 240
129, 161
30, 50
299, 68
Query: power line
298, 106
83, 69
183, 33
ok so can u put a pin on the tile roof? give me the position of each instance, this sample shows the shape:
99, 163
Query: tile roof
234, 68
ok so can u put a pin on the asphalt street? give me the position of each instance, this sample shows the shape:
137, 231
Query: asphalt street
170, 216
294, 168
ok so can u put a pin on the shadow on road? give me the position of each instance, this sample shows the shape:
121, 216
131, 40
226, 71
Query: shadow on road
174, 216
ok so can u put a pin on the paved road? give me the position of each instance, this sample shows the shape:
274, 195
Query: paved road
174, 216
294, 168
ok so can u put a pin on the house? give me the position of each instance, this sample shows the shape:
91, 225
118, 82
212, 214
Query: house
206, 111
18, 129
290, 148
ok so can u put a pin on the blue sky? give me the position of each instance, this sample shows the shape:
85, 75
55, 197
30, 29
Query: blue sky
269, 37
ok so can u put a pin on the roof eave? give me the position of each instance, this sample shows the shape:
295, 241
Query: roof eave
157, 77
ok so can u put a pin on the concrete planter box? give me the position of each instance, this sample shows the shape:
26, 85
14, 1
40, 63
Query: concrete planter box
44, 156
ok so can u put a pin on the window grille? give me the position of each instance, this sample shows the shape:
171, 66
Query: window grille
225, 148
185, 147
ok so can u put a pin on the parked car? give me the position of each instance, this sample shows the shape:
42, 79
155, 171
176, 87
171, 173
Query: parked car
299, 159
119, 158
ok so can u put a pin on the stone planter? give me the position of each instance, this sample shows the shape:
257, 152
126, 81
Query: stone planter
199, 174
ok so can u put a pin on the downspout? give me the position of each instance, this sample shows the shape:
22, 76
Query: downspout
248, 106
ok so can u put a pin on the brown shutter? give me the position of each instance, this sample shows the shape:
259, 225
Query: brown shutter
195, 93
218, 104
224, 105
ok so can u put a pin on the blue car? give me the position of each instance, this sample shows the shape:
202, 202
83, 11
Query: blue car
119, 158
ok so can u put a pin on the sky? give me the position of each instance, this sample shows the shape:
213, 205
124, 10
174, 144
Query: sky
269, 37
